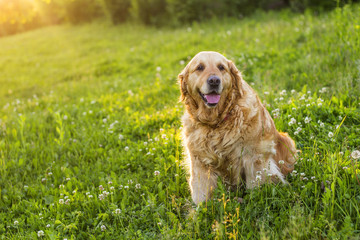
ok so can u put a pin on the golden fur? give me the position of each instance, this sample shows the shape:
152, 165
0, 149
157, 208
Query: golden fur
236, 139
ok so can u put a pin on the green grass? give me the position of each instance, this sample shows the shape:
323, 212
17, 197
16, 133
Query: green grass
84, 106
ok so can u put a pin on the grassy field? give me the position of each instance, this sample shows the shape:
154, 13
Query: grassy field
90, 119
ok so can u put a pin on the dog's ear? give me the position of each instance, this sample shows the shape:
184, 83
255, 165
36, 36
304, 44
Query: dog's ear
182, 80
236, 77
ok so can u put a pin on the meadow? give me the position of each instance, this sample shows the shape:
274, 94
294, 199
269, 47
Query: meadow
90, 144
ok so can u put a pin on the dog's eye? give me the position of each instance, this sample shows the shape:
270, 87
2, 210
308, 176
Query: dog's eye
200, 67
221, 67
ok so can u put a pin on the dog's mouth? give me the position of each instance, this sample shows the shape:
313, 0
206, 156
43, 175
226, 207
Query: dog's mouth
210, 99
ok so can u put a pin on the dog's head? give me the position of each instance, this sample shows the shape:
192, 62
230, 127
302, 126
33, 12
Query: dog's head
208, 84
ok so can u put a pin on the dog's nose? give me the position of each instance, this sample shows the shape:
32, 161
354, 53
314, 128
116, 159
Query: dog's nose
214, 81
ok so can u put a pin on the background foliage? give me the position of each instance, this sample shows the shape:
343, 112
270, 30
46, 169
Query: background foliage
21, 15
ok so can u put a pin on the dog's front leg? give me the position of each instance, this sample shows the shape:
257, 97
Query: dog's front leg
202, 181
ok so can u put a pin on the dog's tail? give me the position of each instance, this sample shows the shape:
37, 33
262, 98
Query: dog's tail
286, 153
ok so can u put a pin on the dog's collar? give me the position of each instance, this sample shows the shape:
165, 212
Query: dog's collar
225, 118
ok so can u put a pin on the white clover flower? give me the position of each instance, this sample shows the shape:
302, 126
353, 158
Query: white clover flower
121, 137
101, 197
266, 93
110, 182
345, 168
117, 211
61, 201
43, 180
66, 197
330, 134
156, 139
16, 222
307, 119
293, 91
302, 174
126, 148
281, 98
103, 228
138, 186
294, 172
40, 233
90, 196
322, 124
101, 187
283, 92
112, 188
269, 174
88, 193
323, 90
281, 162
121, 187
67, 179
49, 173
258, 178
341, 153
305, 178
313, 177
105, 193
158, 69
126, 187
65, 117
292, 121
182, 62
355, 154
130, 181
157, 173
48, 225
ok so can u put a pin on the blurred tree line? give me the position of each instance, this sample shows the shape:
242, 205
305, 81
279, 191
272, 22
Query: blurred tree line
21, 15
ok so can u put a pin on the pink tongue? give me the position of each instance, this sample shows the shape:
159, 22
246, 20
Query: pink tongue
212, 98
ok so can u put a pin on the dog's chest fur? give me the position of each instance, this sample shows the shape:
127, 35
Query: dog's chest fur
217, 147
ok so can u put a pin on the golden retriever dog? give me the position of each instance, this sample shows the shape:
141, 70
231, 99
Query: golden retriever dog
227, 132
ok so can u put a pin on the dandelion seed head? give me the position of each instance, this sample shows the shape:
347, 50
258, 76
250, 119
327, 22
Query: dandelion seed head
355, 154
